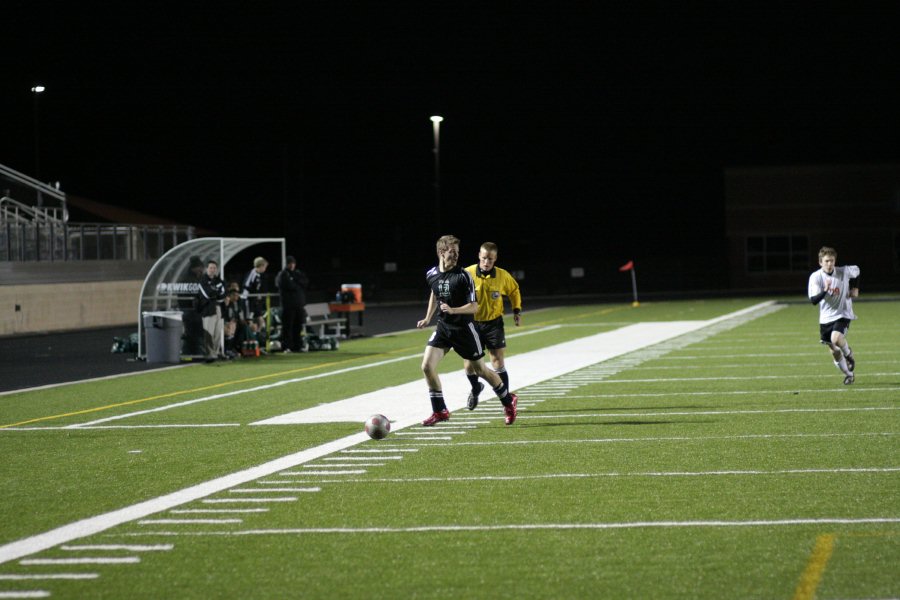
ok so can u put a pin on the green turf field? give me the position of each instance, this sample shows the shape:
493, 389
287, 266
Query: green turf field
729, 462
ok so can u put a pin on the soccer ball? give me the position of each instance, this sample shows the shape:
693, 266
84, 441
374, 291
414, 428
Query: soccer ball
378, 426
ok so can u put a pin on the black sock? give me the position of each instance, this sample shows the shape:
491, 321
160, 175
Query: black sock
503, 394
473, 381
504, 376
437, 400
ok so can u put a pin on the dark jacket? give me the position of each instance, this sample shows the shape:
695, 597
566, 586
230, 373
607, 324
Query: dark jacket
292, 287
254, 283
236, 311
211, 293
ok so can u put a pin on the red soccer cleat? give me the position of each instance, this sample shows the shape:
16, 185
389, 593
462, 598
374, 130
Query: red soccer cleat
510, 410
437, 417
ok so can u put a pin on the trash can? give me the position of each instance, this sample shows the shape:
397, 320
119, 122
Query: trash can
163, 330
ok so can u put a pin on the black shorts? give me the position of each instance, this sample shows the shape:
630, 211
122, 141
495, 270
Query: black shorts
492, 333
462, 338
825, 329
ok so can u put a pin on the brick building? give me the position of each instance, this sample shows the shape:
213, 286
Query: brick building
777, 218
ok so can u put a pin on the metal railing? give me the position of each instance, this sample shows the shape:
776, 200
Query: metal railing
28, 190
54, 241
13, 211
34, 226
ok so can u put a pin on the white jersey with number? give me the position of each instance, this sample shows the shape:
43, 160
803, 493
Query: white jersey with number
837, 303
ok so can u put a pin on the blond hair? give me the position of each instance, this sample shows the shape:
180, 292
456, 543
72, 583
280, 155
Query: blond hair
445, 241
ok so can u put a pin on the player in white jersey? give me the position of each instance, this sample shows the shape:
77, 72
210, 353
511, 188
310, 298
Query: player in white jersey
833, 289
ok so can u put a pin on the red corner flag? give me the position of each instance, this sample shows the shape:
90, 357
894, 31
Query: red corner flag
629, 266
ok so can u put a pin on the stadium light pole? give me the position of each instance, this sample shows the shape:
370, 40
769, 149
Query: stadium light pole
36, 92
436, 126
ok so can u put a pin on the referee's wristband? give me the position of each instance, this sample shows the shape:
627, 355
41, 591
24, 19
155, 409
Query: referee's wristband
517, 311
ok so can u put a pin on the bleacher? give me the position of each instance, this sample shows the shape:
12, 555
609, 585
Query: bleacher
56, 274
35, 227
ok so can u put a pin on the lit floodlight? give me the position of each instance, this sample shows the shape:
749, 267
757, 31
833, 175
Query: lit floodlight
437, 119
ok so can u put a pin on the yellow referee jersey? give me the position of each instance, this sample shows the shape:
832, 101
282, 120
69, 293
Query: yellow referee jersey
490, 289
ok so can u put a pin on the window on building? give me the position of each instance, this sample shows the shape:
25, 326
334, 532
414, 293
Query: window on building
777, 253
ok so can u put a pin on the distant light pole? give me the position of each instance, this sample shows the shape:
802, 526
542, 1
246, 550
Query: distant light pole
37, 91
436, 125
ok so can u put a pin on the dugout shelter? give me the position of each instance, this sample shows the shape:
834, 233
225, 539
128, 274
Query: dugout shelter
170, 285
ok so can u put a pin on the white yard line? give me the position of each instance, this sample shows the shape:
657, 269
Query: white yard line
745, 367
391, 452
130, 548
314, 473
349, 465
536, 527
99, 560
819, 392
614, 474
94, 379
536, 366
716, 355
187, 511
173, 426
49, 576
685, 438
249, 500
188, 521
691, 413
726, 378
267, 490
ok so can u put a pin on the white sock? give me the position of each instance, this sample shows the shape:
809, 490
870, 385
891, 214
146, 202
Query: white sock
842, 366
845, 349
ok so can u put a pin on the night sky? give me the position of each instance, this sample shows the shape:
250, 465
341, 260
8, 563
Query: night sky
570, 128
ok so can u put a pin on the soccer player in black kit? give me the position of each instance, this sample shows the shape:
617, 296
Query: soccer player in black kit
453, 298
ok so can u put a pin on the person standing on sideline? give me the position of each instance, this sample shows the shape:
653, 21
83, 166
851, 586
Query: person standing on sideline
193, 321
254, 284
210, 297
292, 284
453, 298
491, 284
833, 288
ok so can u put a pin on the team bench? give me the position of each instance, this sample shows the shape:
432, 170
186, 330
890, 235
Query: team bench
319, 321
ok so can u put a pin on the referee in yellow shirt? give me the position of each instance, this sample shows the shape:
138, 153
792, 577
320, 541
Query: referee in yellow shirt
491, 284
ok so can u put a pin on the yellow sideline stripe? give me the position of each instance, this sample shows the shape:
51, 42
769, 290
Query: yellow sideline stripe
191, 391
812, 575
239, 381
251, 379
